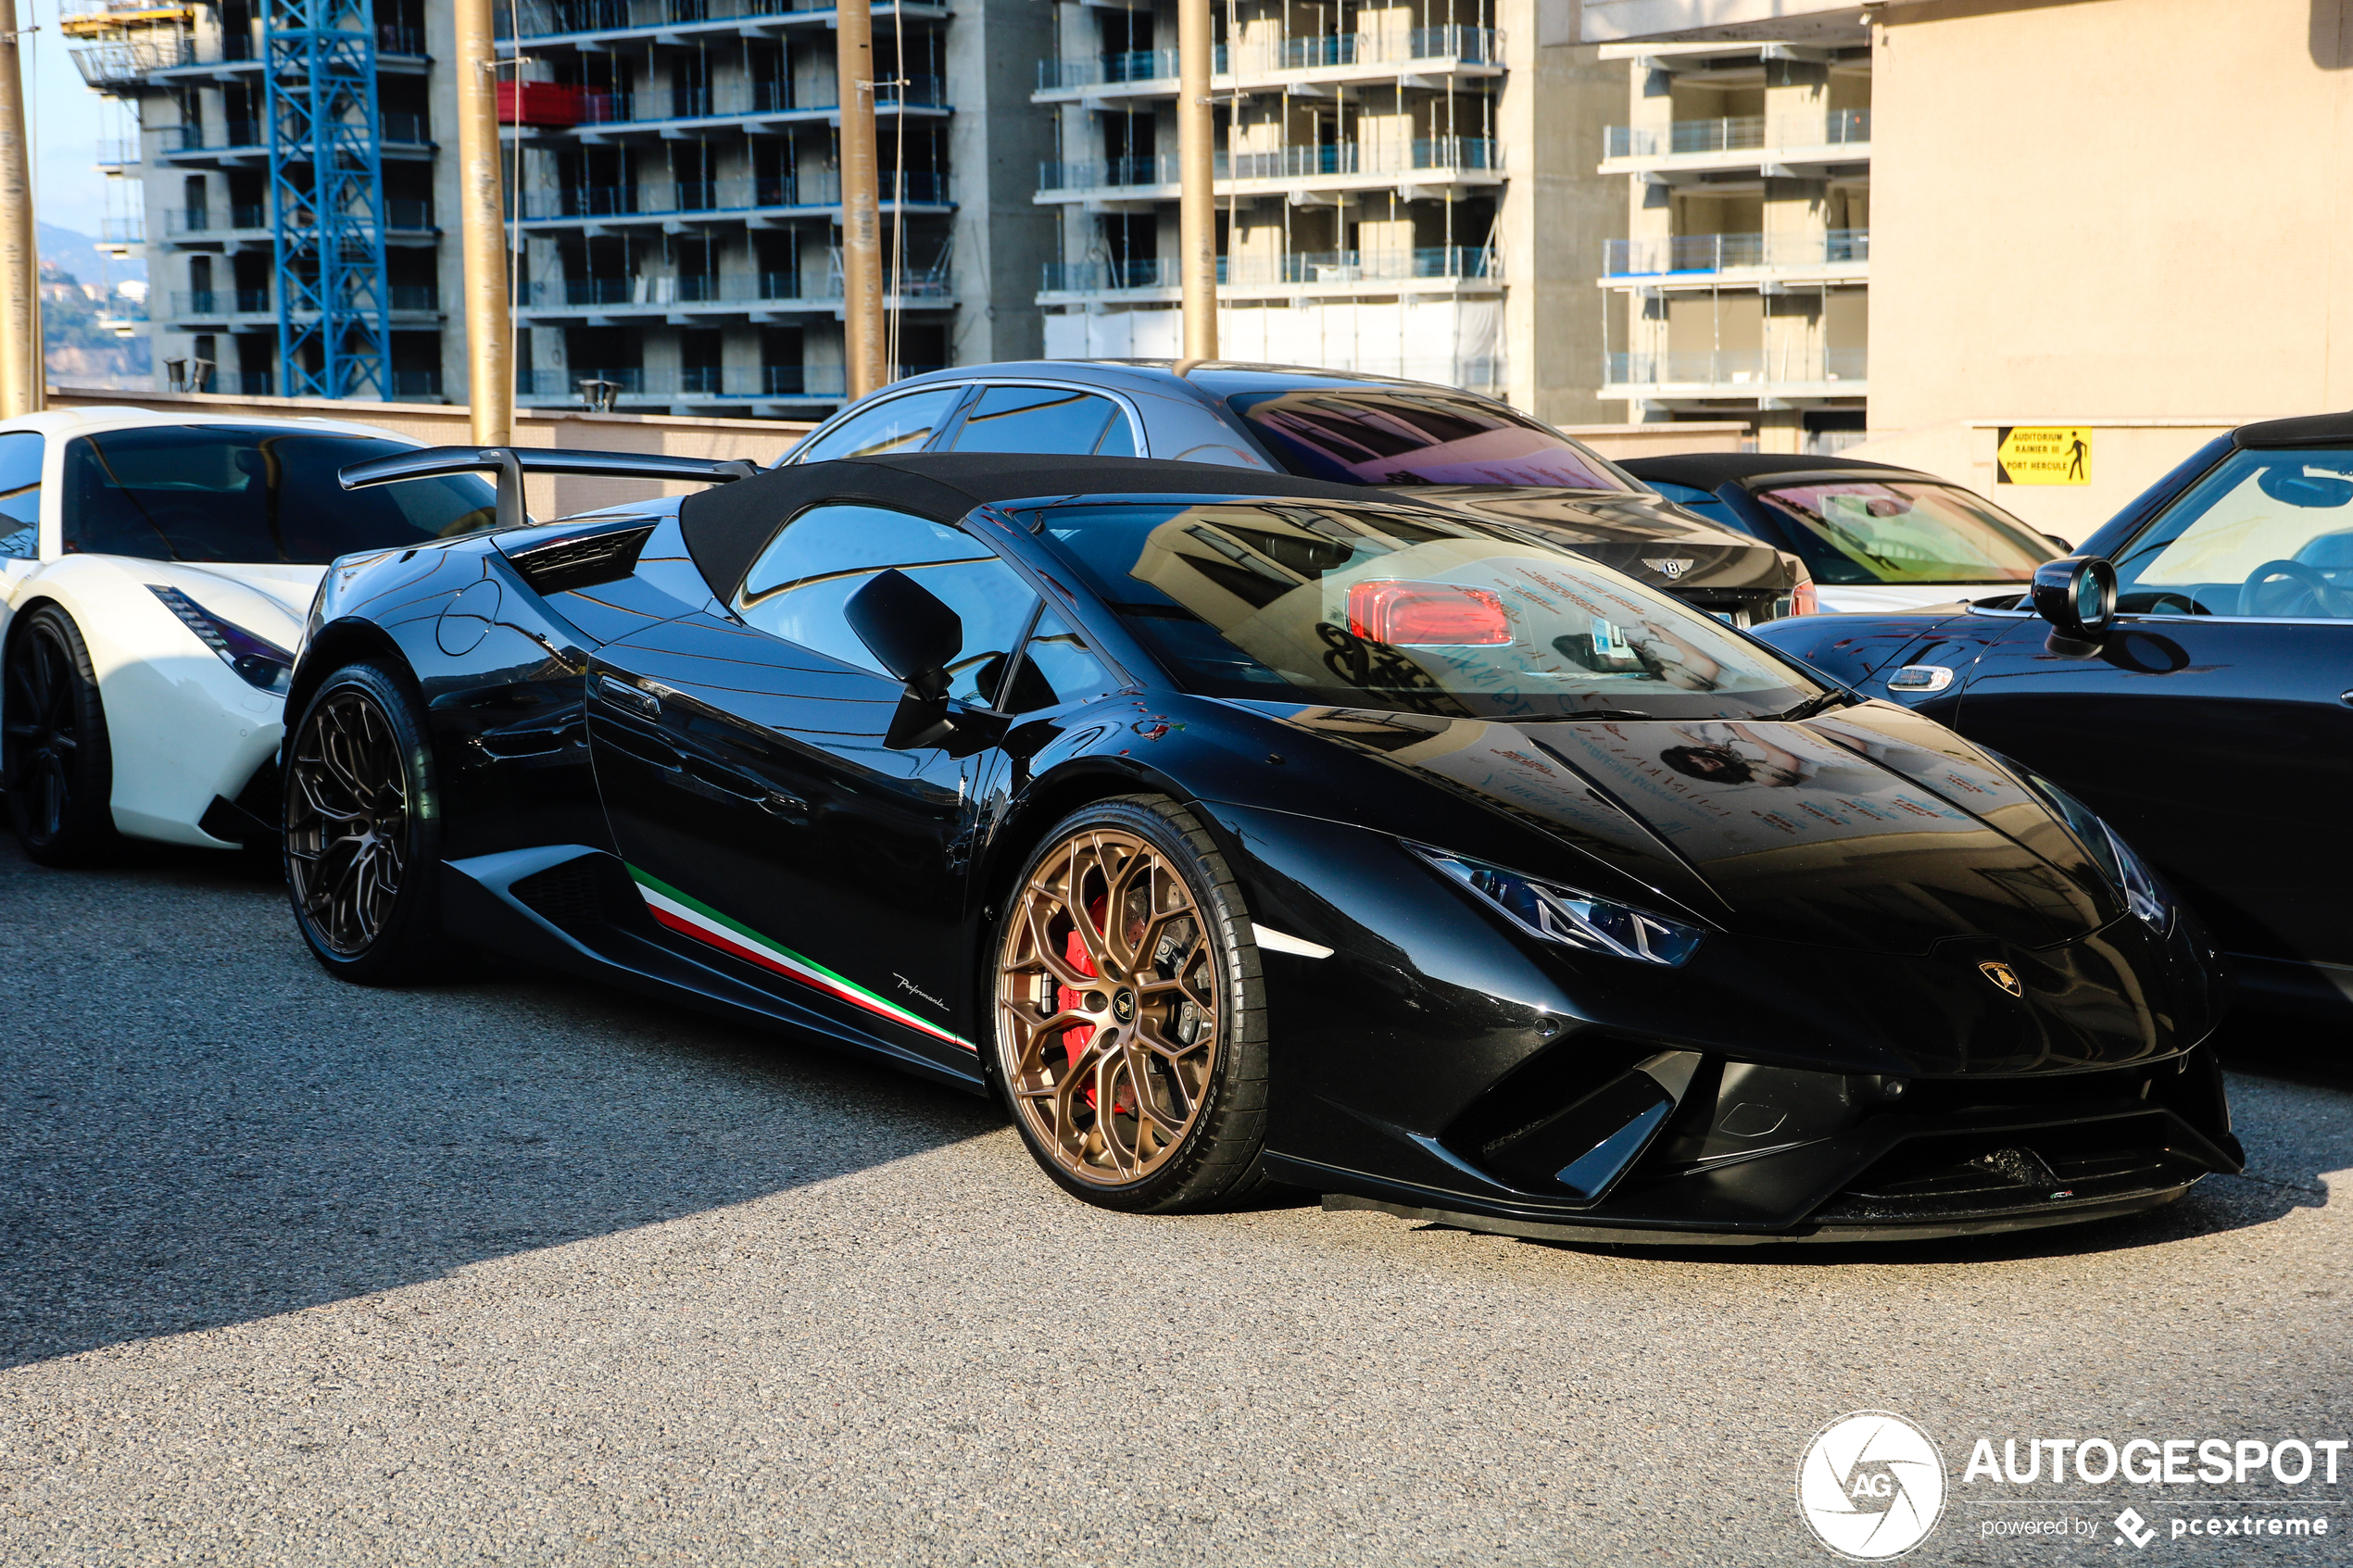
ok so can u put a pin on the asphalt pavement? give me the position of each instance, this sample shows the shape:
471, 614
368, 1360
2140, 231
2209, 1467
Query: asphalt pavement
530, 1270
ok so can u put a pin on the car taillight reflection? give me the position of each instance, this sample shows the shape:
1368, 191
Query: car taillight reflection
1405, 614
1803, 600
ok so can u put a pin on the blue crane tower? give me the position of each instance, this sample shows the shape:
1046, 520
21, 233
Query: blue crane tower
327, 199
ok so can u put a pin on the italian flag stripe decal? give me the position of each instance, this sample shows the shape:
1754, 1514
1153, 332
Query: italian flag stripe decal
690, 916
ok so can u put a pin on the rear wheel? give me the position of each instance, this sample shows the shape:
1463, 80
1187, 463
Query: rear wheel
1130, 1033
55, 755
363, 833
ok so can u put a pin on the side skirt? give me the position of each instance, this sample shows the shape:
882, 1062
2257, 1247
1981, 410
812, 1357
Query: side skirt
590, 920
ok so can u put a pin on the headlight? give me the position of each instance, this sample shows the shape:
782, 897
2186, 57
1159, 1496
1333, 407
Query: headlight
2130, 876
1560, 914
260, 663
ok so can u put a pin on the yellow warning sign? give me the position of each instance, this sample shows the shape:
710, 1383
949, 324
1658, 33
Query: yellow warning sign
2043, 455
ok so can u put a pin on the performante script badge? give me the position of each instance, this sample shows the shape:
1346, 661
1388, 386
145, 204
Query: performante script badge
1671, 570
2003, 975
1871, 1486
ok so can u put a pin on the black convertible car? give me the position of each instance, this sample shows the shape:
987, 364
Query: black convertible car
2189, 674
1240, 828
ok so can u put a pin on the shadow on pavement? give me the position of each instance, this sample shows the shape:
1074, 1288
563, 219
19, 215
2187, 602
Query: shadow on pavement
197, 1127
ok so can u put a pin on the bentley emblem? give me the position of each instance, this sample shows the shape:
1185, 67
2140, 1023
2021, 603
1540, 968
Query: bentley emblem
1669, 568
2003, 975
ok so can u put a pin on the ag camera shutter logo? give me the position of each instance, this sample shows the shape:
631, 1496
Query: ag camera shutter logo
1871, 1486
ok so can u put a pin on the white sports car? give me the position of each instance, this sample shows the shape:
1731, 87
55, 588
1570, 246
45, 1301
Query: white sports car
155, 571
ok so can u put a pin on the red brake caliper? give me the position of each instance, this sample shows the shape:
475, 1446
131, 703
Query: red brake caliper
1076, 1038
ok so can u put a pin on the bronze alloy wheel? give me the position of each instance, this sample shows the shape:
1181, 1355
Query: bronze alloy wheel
346, 820
1108, 993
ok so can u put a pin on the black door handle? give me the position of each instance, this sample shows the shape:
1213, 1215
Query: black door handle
622, 694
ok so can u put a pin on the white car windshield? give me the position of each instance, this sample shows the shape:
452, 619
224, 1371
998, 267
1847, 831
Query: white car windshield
252, 494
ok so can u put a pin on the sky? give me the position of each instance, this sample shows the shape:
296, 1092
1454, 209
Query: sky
67, 121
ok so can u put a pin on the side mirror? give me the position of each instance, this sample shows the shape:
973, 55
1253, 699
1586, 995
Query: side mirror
2077, 596
913, 633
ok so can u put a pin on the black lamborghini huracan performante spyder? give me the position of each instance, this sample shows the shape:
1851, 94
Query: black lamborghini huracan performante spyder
1240, 829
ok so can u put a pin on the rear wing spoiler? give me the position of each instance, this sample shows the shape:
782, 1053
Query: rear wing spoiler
510, 463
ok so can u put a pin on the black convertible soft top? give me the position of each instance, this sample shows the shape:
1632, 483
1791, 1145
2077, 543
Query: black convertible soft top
726, 527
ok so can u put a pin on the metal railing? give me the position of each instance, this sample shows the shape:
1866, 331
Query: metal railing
215, 220
1474, 45
1299, 266
400, 213
1736, 134
247, 383
413, 298
745, 98
730, 381
727, 288
130, 230
1702, 254
1282, 163
118, 152
542, 19
663, 198
1736, 367
415, 386
219, 301
411, 128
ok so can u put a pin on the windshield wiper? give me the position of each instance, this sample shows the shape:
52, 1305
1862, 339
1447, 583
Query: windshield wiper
1835, 697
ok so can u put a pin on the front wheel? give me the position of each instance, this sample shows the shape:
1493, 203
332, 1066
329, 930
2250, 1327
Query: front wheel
363, 832
1131, 1022
54, 753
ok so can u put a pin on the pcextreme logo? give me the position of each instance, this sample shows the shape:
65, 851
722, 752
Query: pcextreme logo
1871, 1486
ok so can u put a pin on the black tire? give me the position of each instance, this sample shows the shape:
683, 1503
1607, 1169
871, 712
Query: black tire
363, 831
55, 757
1055, 1088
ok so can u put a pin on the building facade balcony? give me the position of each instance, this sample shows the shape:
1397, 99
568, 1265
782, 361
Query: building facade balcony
1303, 274
544, 22
1277, 64
663, 202
706, 300
1698, 262
694, 385
663, 115
1754, 375
1428, 161
1693, 147
234, 306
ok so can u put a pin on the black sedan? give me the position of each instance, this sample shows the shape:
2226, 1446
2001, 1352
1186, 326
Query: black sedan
1236, 829
1873, 537
1431, 443
2192, 685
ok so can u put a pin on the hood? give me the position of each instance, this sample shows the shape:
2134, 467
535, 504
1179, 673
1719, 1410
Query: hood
1647, 537
269, 601
1861, 831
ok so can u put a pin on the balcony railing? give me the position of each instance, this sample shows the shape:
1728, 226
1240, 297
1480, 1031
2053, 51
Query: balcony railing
670, 198
118, 152
130, 230
213, 138
745, 98
415, 386
1300, 267
727, 288
541, 18
413, 298
215, 220
247, 383
1476, 45
1282, 163
1735, 369
1735, 134
409, 128
731, 381
219, 301
1696, 254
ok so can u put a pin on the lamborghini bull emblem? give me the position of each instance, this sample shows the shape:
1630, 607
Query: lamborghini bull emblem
1671, 568
2003, 975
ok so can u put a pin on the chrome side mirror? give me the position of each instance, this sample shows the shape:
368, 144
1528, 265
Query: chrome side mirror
2077, 596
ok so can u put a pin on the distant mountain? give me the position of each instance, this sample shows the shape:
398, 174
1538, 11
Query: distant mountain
78, 253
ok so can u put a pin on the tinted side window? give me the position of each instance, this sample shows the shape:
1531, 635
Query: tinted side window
1056, 669
21, 494
797, 587
1043, 419
902, 424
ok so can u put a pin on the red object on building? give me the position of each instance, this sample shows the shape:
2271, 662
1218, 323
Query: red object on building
538, 103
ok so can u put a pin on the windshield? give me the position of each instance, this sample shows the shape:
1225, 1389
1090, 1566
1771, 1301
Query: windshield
252, 494
1413, 436
1904, 531
2268, 533
1391, 608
